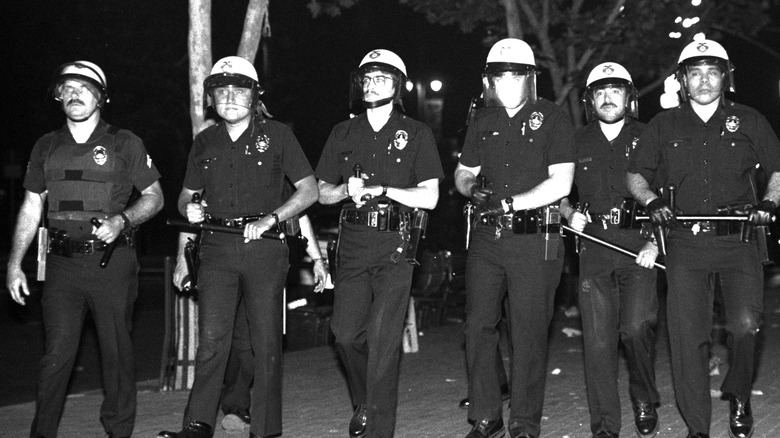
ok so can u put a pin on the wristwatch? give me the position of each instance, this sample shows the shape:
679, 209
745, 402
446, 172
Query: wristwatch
276, 218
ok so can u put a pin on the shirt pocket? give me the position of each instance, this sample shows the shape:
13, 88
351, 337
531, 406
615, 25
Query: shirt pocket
266, 171
678, 156
735, 153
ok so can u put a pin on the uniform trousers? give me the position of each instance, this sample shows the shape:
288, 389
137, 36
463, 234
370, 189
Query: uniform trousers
369, 310
230, 269
516, 260
619, 305
694, 263
74, 286
236, 394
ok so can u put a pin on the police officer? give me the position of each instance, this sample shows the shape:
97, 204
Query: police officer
524, 146
86, 169
708, 148
618, 299
239, 166
399, 171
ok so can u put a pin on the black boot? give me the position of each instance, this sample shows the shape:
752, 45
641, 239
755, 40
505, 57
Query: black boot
195, 429
357, 425
645, 419
740, 418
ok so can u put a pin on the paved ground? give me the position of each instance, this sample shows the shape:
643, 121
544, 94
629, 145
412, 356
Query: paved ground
316, 401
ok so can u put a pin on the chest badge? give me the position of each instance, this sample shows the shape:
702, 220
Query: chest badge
262, 143
536, 120
100, 155
400, 139
732, 123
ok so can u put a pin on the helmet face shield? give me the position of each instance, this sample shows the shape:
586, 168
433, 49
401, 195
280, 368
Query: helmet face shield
610, 94
379, 71
240, 96
509, 88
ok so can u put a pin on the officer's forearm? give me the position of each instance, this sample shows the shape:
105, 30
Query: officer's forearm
773, 188
312, 244
555, 187
464, 180
639, 188
26, 228
332, 193
425, 195
306, 194
145, 207
183, 242
566, 209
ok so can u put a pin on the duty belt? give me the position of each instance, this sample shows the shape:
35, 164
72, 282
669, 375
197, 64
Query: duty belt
720, 228
544, 220
63, 245
388, 219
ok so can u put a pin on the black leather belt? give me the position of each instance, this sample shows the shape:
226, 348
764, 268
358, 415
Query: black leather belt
503, 221
68, 246
389, 219
526, 221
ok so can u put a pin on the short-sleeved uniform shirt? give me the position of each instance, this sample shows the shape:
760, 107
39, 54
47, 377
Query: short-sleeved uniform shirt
711, 164
514, 152
247, 176
82, 180
601, 164
402, 154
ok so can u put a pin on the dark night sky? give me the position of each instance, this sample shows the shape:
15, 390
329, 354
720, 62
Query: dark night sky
141, 45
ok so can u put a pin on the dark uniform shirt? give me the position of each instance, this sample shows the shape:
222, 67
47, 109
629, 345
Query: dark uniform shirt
514, 152
88, 179
601, 164
245, 177
711, 164
402, 154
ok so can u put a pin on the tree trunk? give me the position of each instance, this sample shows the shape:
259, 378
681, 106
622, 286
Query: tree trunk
199, 46
255, 27
513, 26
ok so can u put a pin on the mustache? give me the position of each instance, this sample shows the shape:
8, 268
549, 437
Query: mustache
72, 101
608, 105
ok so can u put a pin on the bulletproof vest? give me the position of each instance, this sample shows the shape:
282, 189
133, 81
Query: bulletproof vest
85, 179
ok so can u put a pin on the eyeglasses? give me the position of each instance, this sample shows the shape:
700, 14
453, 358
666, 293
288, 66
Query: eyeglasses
379, 81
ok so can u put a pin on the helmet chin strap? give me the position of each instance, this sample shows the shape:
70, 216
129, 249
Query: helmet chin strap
378, 103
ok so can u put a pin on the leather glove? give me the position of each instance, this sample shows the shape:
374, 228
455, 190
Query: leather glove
660, 213
763, 213
480, 195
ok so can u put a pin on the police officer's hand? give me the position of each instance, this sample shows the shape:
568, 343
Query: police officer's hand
180, 274
660, 212
196, 212
365, 193
16, 282
578, 220
109, 229
254, 230
355, 184
763, 213
479, 196
647, 255
320, 275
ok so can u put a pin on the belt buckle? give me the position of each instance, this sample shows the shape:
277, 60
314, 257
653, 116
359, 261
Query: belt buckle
89, 247
373, 219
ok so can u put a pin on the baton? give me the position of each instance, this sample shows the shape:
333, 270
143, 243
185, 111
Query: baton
218, 228
609, 245
715, 218
357, 170
111, 246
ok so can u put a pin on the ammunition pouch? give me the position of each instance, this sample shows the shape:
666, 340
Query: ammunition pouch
62, 245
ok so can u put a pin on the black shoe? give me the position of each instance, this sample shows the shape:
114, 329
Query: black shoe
487, 429
195, 429
697, 435
645, 419
740, 418
517, 434
357, 425
605, 434
505, 395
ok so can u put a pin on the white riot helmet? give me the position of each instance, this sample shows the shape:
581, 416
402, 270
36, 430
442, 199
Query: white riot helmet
707, 52
386, 62
233, 71
509, 55
88, 73
610, 74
